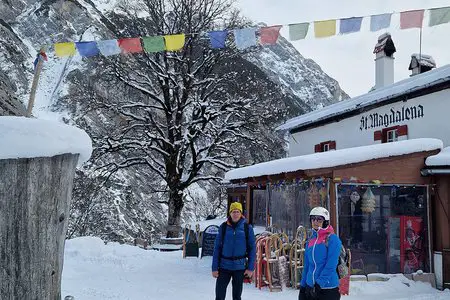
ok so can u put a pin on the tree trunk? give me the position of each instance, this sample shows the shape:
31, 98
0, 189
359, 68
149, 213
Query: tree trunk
174, 218
35, 197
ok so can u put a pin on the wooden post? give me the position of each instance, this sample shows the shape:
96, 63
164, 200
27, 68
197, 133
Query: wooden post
37, 74
35, 197
248, 205
333, 201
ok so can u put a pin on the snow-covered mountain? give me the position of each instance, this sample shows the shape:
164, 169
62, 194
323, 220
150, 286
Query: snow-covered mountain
130, 204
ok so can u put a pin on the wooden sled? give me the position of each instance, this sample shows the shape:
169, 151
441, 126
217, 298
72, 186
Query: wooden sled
344, 283
296, 256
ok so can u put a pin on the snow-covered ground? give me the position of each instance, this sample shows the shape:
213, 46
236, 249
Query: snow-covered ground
93, 270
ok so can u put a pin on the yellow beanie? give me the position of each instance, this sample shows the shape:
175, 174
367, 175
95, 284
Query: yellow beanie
236, 205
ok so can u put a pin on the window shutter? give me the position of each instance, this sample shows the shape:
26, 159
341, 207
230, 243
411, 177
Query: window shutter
333, 145
402, 130
377, 135
317, 148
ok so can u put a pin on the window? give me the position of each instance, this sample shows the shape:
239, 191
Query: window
325, 146
386, 227
289, 206
391, 136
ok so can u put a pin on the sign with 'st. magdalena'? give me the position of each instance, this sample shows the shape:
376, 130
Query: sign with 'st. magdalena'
392, 117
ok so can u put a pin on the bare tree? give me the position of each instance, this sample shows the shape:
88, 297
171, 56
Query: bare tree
177, 120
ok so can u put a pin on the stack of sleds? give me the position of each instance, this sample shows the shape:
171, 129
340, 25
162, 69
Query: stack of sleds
279, 263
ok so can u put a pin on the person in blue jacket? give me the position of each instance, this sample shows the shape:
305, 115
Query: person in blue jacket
231, 253
320, 279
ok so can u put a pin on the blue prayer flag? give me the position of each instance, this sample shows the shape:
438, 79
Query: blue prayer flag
378, 22
245, 38
36, 61
350, 25
217, 38
87, 49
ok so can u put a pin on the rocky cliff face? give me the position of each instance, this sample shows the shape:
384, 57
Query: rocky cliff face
129, 204
9, 104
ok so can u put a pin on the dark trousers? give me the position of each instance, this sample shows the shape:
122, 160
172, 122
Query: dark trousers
224, 279
325, 294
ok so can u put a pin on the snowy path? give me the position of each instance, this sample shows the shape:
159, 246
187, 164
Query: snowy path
94, 271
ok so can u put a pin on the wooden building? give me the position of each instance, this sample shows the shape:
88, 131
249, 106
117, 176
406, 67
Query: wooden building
378, 162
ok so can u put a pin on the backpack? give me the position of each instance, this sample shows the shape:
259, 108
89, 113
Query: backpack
343, 267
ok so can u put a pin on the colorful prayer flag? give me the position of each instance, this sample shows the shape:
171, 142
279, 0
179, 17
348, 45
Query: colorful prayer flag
65, 49
153, 44
269, 35
245, 37
108, 47
87, 49
350, 25
298, 31
174, 42
325, 28
130, 45
36, 61
378, 22
217, 38
439, 16
411, 19
43, 55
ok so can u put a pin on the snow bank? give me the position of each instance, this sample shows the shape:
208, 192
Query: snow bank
424, 80
218, 222
93, 270
335, 158
440, 159
204, 224
27, 138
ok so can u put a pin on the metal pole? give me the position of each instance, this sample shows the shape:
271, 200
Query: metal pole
420, 51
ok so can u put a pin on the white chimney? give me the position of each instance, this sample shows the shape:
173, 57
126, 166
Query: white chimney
384, 61
421, 63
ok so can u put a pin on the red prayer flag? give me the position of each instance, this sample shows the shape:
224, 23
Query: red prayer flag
43, 55
269, 35
411, 19
130, 45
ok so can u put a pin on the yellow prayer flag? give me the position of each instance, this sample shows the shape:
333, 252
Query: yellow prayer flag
174, 42
325, 28
65, 49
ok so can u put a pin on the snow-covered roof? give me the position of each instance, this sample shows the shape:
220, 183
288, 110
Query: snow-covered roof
440, 159
334, 158
27, 138
380, 95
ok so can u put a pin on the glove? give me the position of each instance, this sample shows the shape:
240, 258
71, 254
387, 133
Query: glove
302, 293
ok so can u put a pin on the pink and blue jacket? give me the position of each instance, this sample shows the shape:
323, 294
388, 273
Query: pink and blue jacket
320, 260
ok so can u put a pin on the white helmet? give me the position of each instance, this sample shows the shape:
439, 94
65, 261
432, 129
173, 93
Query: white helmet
320, 211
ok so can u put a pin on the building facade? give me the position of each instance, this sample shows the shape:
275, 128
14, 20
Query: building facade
378, 162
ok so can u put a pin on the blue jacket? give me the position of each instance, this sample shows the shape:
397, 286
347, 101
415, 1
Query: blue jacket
321, 260
234, 246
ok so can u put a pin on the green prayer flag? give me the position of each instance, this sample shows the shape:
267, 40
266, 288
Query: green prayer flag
439, 16
298, 31
153, 43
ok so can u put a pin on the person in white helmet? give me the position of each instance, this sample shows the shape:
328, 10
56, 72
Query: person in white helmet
320, 280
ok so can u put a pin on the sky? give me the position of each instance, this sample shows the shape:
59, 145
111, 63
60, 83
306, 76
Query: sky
349, 58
